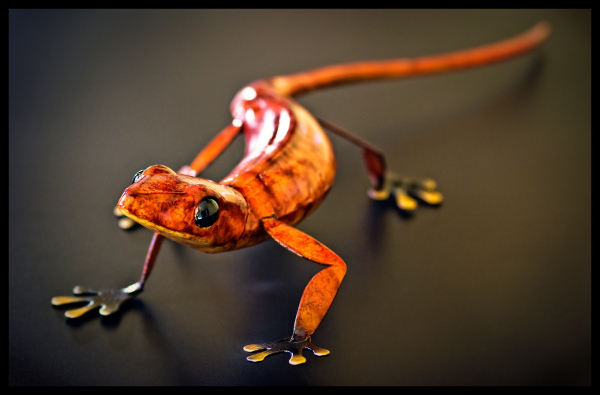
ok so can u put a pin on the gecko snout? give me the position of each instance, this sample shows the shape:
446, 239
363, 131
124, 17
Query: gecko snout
193, 211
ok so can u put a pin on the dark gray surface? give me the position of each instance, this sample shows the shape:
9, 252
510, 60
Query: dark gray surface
492, 288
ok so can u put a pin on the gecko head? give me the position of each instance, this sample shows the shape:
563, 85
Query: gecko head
189, 210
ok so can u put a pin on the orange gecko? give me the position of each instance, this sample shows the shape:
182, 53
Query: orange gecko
286, 172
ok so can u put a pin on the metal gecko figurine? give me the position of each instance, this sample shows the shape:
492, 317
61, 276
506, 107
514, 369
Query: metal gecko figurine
287, 170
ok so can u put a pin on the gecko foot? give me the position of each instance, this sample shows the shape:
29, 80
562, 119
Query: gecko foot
125, 223
405, 190
108, 300
285, 345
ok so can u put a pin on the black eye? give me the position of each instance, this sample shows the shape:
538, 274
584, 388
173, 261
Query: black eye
207, 213
137, 176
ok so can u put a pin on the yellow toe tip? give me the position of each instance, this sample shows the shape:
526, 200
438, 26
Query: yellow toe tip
378, 195
431, 197
126, 223
256, 358
429, 184
407, 203
297, 360
251, 347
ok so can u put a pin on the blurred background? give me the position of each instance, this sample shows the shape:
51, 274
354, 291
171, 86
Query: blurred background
491, 288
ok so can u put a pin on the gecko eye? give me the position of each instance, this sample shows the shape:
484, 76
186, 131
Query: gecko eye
137, 176
206, 213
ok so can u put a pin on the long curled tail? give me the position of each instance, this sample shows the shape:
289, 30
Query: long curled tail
296, 84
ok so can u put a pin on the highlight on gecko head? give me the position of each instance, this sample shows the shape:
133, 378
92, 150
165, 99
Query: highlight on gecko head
189, 210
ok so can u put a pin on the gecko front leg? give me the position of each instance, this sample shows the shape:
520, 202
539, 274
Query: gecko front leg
316, 299
110, 300
288, 345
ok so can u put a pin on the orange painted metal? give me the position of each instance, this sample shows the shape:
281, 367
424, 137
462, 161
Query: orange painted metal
320, 291
293, 85
213, 149
287, 170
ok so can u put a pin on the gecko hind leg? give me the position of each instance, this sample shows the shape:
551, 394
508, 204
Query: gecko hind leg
289, 345
407, 191
385, 183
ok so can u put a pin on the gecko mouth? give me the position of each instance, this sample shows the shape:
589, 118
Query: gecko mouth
180, 237
172, 211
